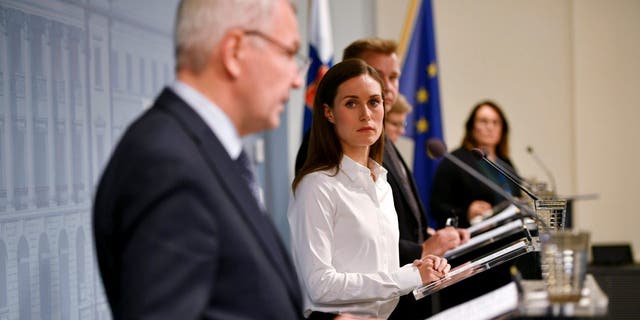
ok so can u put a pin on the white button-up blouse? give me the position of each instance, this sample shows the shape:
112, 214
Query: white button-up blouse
344, 238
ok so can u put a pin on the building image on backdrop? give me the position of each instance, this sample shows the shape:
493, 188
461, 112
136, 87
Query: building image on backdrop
73, 74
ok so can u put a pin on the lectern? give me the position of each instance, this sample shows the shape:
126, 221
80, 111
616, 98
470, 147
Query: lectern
482, 264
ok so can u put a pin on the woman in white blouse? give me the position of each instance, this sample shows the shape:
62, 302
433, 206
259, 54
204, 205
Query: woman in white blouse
344, 229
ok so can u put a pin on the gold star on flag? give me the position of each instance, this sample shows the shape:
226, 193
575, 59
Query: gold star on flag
432, 70
422, 125
422, 96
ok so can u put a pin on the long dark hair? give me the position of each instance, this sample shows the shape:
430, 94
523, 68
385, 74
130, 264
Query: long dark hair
469, 142
325, 150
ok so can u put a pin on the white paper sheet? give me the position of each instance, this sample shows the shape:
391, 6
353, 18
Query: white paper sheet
484, 237
508, 212
487, 306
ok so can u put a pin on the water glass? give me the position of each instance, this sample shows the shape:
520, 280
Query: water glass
552, 212
564, 264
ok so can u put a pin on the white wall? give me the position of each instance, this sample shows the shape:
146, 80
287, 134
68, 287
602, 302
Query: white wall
565, 73
606, 84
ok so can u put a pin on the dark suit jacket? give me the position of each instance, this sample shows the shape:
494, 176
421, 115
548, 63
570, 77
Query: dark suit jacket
178, 233
410, 247
453, 190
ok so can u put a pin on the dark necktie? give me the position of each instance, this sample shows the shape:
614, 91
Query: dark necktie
246, 172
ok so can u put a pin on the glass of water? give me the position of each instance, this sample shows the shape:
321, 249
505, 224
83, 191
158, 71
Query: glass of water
552, 212
564, 264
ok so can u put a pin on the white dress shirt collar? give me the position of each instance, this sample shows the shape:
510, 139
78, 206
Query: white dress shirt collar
356, 171
213, 116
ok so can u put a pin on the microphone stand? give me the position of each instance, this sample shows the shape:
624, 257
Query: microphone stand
481, 155
552, 180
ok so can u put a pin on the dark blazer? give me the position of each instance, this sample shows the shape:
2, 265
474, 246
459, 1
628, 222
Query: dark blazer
410, 247
178, 233
453, 190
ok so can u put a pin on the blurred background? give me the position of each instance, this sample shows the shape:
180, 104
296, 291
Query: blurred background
75, 73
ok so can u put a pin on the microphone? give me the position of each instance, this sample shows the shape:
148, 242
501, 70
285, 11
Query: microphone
436, 149
479, 154
507, 167
552, 180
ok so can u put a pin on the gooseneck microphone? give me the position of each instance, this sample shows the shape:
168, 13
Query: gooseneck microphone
479, 154
511, 170
436, 149
535, 157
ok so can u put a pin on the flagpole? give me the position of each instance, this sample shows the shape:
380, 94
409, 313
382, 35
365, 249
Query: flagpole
407, 28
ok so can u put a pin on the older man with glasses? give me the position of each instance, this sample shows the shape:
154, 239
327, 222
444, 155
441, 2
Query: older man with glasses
179, 230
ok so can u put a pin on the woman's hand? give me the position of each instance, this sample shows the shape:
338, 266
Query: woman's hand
432, 268
440, 241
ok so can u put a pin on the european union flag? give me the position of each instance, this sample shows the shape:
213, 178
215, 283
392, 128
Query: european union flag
419, 84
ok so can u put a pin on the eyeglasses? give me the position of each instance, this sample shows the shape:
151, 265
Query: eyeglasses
302, 62
397, 124
484, 122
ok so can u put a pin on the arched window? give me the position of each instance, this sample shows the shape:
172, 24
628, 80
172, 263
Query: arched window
80, 271
3, 275
44, 262
63, 261
24, 283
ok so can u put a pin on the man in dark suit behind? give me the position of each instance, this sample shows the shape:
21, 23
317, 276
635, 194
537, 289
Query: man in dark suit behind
179, 231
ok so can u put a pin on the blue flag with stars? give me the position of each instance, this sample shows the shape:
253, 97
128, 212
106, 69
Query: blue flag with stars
419, 84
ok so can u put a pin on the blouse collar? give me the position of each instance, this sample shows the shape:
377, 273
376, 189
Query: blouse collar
354, 170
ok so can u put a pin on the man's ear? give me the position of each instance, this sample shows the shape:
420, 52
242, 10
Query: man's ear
328, 113
231, 52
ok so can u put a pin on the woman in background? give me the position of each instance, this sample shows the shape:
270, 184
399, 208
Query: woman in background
344, 228
457, 194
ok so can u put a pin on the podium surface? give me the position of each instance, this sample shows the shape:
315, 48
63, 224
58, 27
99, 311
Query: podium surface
507, 303
474, 267
593, 303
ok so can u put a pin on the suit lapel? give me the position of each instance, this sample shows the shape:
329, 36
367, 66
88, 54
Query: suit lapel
222, 165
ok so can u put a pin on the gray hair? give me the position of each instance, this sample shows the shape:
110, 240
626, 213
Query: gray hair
201, 24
